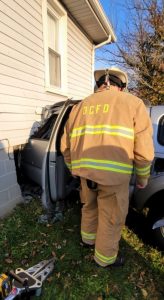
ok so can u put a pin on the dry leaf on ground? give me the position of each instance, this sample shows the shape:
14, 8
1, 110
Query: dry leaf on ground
8, 261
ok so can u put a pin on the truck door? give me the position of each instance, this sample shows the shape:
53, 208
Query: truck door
55, 175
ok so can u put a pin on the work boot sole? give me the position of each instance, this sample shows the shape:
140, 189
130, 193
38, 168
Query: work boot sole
87, 245
119, 262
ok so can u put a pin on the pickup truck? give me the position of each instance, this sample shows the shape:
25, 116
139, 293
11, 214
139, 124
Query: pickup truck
42, 162
151, 199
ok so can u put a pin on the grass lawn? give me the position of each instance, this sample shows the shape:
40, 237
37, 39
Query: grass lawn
24, 242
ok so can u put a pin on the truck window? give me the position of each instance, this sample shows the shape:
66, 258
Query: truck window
159, 165
161, 131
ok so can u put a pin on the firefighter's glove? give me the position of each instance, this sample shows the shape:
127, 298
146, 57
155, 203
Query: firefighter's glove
141, 183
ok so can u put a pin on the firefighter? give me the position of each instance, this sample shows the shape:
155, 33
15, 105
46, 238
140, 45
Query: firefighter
107, 137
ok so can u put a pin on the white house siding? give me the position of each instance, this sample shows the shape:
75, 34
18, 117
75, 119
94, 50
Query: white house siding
22, 73
80, 63
9, 189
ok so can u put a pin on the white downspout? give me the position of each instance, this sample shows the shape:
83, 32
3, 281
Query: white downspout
93, 67
108, 41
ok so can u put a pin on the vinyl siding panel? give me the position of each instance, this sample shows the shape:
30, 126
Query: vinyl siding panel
38, 2
35, 5
19, 47
14, 118
9, 100
30, 9
18, 82
27, 93
20, 10
22, 69
12, 73
10, 193
20, 57
17, 36
80, 63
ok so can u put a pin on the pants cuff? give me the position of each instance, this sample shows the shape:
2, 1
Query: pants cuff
104, 260
88, 242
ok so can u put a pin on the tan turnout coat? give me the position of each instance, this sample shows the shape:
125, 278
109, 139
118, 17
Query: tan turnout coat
107, 137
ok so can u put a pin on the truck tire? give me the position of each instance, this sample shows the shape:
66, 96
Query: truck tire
158, 233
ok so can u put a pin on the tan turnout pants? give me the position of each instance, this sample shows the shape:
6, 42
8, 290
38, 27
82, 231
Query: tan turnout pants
103, 215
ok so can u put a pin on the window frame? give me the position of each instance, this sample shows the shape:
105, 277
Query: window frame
55, 9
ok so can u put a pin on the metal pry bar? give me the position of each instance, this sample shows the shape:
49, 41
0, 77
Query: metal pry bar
30, 279
42, 270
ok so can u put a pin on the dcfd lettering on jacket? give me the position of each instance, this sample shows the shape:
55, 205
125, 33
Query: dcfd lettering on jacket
94, 109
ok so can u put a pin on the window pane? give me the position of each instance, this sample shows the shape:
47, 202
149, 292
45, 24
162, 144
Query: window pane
161, 131
54, 68
52, 32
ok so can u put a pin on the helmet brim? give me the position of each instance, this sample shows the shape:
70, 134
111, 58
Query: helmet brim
121, 75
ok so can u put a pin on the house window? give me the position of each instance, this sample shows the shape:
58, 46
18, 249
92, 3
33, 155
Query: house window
55, 46
54, 51
161, 131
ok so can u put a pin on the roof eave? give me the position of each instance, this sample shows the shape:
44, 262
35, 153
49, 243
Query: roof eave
107, 34
98, 10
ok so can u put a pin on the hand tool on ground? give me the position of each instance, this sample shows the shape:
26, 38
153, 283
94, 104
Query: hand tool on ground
25, 281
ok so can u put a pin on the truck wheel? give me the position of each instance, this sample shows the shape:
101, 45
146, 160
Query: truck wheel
158, 233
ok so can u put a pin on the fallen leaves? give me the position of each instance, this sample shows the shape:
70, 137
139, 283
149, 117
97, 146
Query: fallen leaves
144, 293
107, 289
61, 257
58, 275
49, 225
53, 254
43, 234
70, 230
8, 260
115, 288
33, 253
49, 279
87, 257
24, 262
24, 244
64, 242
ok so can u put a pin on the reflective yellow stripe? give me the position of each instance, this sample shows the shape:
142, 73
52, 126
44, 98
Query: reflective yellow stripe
105, 259
114, 130
68, 165
101, 168
106, 165
102, 161
89, 236
104, 125
104, 132
143, 171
